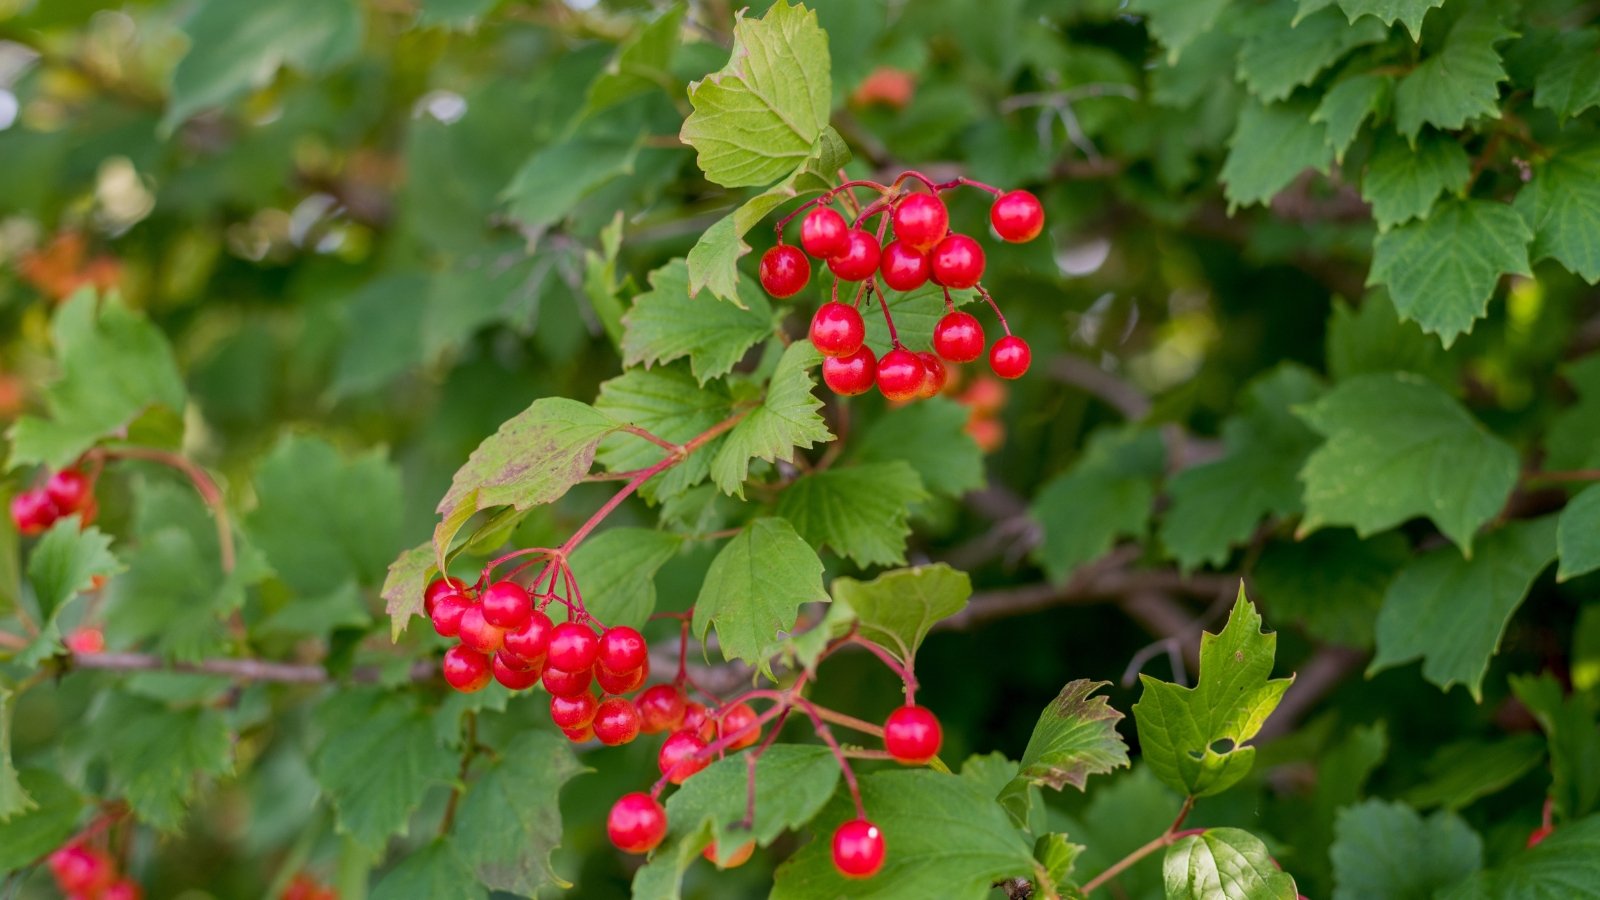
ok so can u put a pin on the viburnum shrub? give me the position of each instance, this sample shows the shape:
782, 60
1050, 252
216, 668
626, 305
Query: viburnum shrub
429, 477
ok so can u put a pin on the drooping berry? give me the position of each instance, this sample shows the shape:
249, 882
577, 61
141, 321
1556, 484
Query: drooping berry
738, 724
622, 650
532, 641
912, 735
562, 683
573, 647
1010, 356
900, 374
677, 759
694, 717
438, 588
859, 259
921, 220
575, 711
934, 374
837, 329
1017, 216
625, 683
823, 233
448, 611
661, 708
69, 490
958, 337
984, 396
850, 375
466, 670
477, 634
80, 869
784, 271
33, 512
904, 268
616, 721
514, 675
506, 605
858, 849
734, 859
957, 261
637, 823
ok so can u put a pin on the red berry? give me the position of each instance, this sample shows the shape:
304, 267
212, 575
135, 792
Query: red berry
1539, 834
562, 683
573, 647
934, 374
86, 640
69, 490
477, 634
784, 271
1017, 216
859, 259
123, 890
575, 711
958, 337
616, 721
900, 374
903, 267
465, 670
448, 610
438, 588
661, 708
858, 849
733, 860
516, 663
694, 717
912, 735
625, 683
33, 511
579, 735
824, 233
984, 396
80, 869
678, 760
850, 375
532, 641
957, 261
739, 724
622, 649
511, 672
1009, 357
637, 823
837, 330
921, 220
506, 605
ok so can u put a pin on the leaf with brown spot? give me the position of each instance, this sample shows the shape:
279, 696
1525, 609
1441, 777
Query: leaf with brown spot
1076, 737
402, 589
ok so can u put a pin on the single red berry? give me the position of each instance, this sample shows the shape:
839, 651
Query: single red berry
934, 374
694, 716
512, 673
531, 642
850, 375
69, 490
678, 758
477, 634
506, 605
733, 860
1539, 834
988, 434
123, 890
824, 233
622, 649
1017, 216
80, 869
784, 271
637, 823
575, 711
912, 735
921, 220
739, 725
661, 708
837, 330
466, 670
516, 663
33, 512
904, 267
573, 646
438, 588
984, 396
859, 259
626, 683
858, 849
579, 735
86, 640
1009, 357
616, 721
958, 337
900, 374
957, 261
562, 683
448, 610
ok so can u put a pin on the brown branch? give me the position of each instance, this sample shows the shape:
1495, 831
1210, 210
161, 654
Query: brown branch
1314, 681
1117, 393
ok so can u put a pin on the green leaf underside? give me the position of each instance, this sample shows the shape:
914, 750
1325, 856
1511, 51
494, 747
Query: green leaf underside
1347, 104
860, 512
1569, 81
66, 562
665, 323
1562, 206
897, 609
1225, 864
1459, 83
377, 759
642, 63
1107, 494
1402, 182
1279, 57
156, 756
1385, 849
786, 419
1578, 534
754, 590
1271, 146
509, 845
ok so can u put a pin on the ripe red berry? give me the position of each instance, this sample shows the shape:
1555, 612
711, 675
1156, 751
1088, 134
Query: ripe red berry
677, 759
562, 683
957, 261
466, 670
637, 823
477, 634
934, 374
573, 646
921, 220
448, 610
958, 337
837, 330
516, 663
531, 642
33, 512
850, 375
912, 735
734, 859
661, 708
739, 724
859, 259
512, 673
126, 890
858, 849
86, 640
823, 233
903, 267
1017, 216
1009, 357
506, 605
579, 735
694, 717
438, 588
80, 869
784, 271
900, 374
69, 490
616, 721
1537, 836
575, 711
622, 649
625, 683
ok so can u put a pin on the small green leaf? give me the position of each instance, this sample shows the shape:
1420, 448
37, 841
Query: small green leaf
787, 418
403, 587
435, 872
1351, 101
667, 402
617, 569
1573, 441
1075, 737
897, 609
1387, 850
1566, 865
27, 836
1224, 864
1569, 81
156, 754
1107, 494
14, 799
555, 178
1574, 739
1180, 729
643, 63
1372, 339
1271, 146
931, 436
860, 512
1176, 23
1281, 56
1451, 612
65, 563
1058, 856
1402, 182
1331, 583
1459, 83
1578, 535
509, 844
665, 324
755, 588
1409, 13
1461, 773
1560, 205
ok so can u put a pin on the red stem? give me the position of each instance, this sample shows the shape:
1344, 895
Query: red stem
1167, 838
838, 754
895, 666
203, 483
996, 307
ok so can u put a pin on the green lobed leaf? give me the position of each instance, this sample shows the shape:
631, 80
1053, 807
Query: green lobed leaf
1270, 147
860, 512
643, 63
53, 817
617, 568
1451, 612
14, 798
1372, 339
509, 844
1402, 181
1059, 857
1348, 103
66, 562
436, 872
403, 586
1331, 583
931, 437
1462, 772
156, 754
1573, 439
1385, 849
1566, 865
760, 115
916, 313
1075, 737
1224, 864
557, 177
1399, 447
897, 609
755, 588
1569, 81
1578, 535
1573, 735
1409, 13
1106, 494
1281, 56
786, 419
1459, 83
1562, 206
665, 323
1177, 23
1180, 728
667, 402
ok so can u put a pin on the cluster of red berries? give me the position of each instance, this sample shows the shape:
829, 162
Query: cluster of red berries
924, 250
66, 492
83, 872
304, 887
506, 637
